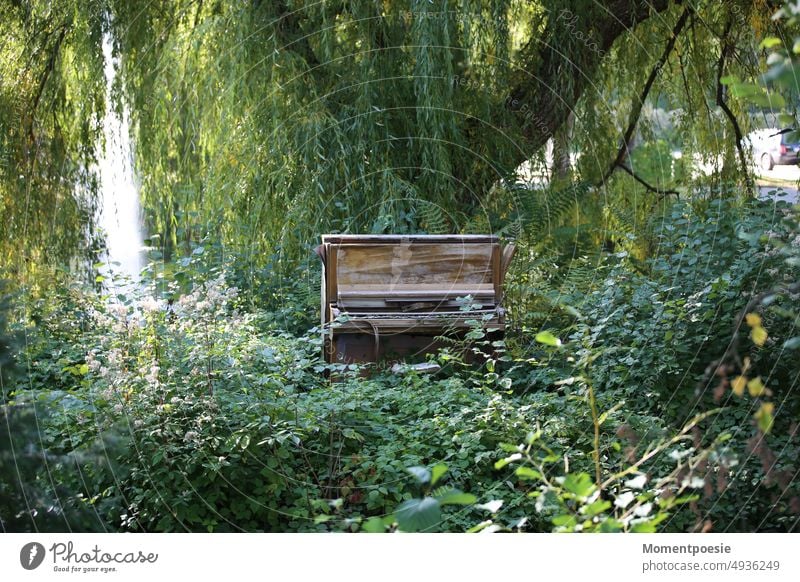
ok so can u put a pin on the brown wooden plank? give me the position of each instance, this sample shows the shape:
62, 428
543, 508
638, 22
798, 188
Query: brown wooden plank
445, 265
331, 272
346, 291
399, 238
498, 290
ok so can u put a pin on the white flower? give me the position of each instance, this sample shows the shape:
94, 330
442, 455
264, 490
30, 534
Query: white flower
152, 377
119, 310
151, 305
92, 362
115, 357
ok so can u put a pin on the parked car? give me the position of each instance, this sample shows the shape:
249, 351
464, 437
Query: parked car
775, 147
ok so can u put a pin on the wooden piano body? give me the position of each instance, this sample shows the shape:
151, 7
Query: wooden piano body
387, 297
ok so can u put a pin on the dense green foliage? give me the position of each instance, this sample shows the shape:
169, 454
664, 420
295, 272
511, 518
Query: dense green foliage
200, 415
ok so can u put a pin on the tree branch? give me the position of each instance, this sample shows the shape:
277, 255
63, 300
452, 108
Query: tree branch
647, 185
48, 70
551, 80
636, 112
723, 55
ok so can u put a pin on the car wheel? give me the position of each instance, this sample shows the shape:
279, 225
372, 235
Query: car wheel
766, 162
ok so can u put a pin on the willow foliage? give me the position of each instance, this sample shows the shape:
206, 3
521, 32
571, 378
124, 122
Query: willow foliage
263, 124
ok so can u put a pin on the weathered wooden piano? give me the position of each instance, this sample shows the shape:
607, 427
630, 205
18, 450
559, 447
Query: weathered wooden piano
388, 297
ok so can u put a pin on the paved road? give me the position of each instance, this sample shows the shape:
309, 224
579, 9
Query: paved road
789, 175
791, 194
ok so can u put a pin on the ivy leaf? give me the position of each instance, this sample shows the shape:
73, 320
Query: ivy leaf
418, 514
738, 385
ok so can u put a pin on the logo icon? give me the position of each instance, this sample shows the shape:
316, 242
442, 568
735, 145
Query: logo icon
31, 555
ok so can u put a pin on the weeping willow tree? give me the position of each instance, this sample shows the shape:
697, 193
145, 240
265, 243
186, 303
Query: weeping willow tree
51, 88
263, 124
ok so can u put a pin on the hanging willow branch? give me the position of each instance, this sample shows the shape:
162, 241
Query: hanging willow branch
647, 185
633, 119
48, 70
726, 49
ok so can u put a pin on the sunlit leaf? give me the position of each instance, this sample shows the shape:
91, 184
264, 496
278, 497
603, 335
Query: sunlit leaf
509, 459
759, 335
753, 319
755, 387
738, 385
548, 339
437, 471
764, 417
526, 473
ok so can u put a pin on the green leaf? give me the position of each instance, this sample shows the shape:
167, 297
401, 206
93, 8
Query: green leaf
374, 525
567, 521
644, 527
548, 339
579, 484
437, 471
510, 459
322, 518
481, 526
421, 474
769, 42
456, 497
596, 507
526, 473
418, 514
609, 525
